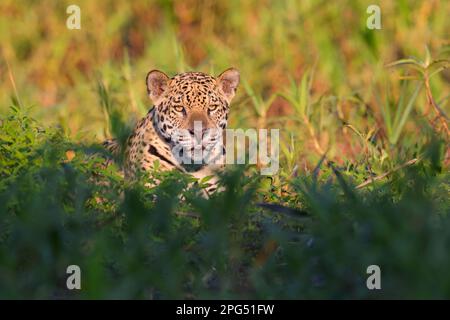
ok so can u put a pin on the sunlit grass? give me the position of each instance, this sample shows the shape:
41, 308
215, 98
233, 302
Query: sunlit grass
364, 150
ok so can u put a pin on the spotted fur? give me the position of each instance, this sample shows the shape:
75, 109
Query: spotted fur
168, 132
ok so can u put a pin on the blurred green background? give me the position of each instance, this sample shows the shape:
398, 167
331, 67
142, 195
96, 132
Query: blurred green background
272, 43
310, 68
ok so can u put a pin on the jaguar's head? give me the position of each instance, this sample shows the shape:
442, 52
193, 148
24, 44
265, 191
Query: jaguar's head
191, 109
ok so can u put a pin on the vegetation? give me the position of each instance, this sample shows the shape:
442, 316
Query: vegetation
363, 174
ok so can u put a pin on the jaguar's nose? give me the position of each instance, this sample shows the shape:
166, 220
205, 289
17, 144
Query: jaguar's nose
197, 120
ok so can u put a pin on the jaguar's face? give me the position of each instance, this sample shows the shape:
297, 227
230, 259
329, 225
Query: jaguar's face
191, 109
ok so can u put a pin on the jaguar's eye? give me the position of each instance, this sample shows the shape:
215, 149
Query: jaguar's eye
178, 108
213, 107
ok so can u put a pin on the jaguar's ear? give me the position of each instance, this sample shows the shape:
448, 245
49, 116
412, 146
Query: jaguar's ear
156, 85
228, 82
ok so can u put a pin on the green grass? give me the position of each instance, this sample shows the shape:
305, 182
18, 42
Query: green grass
364, 151
314, 241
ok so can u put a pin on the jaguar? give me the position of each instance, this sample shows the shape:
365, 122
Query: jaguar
183, 129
